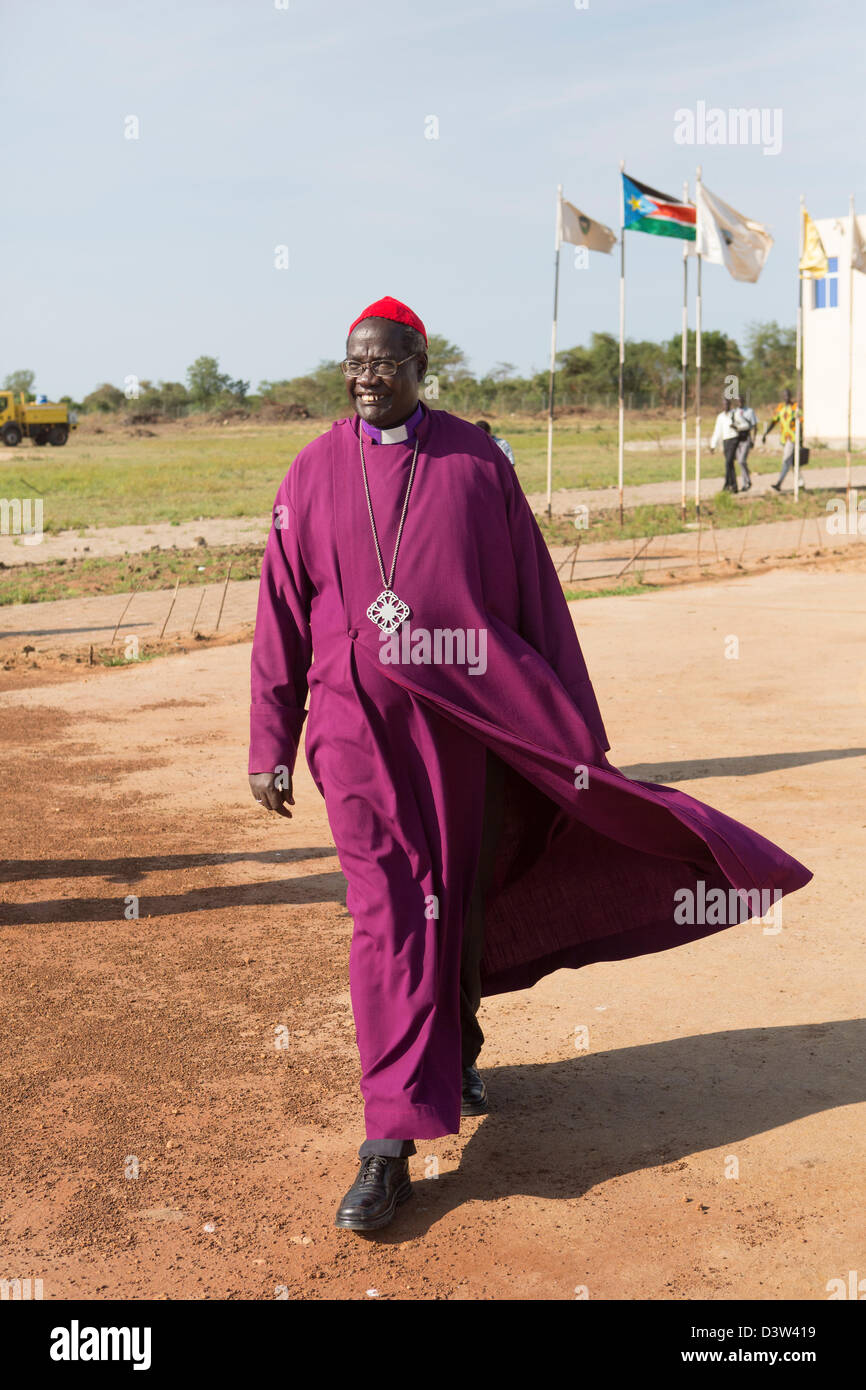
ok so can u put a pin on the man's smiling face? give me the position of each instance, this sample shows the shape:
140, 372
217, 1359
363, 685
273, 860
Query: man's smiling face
384, 401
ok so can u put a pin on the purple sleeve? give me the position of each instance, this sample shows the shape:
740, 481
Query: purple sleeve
545, 620
282, 645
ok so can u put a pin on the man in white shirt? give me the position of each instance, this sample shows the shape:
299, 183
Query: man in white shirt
747, 422
727, 434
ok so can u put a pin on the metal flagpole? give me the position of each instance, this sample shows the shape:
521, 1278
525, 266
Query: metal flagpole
685, 365
851, 218
553, 355
698, 369
799, 349
621, 335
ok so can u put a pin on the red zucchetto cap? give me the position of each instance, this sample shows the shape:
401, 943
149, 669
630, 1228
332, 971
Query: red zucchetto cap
389, 308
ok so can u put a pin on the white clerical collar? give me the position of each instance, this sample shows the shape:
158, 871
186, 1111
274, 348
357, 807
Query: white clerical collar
399, 434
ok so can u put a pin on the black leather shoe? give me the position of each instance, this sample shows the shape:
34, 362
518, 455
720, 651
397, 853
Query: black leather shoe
474, 1100
372, 1200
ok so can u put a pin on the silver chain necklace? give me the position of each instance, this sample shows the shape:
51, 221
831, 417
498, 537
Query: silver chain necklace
387, 611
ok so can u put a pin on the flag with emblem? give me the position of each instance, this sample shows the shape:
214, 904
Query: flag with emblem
580, 230
726, 237
647, 210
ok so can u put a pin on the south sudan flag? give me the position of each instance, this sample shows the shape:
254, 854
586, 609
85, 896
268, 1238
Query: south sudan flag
647, 210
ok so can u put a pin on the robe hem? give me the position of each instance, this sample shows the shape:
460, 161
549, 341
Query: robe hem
413, 1122
641, 941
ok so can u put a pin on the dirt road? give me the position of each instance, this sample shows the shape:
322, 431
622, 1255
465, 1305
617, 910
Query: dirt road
201, 612
159, 1140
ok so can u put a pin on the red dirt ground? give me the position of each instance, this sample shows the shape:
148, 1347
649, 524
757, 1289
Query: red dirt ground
148, 1045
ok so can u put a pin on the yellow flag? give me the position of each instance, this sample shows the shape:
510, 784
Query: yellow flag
858, 246
813, 262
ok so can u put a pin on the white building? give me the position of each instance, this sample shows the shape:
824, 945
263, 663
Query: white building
825, 342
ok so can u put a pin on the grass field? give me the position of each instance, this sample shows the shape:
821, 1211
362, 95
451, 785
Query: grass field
182, 472
40, 581
664, 519
151, 569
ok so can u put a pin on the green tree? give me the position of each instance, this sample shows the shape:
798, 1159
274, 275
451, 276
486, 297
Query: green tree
173, 397
163, 398
721, 362
721, 367
20, 381
322, 392
105, 398
771, 361
446, 361
503, 371
590, 372
205, 381
647, 375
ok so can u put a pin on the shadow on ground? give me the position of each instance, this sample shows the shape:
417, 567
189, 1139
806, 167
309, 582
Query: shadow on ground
746, 765
127, 873
558, 1129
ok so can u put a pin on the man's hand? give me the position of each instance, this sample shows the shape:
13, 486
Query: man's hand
267, 793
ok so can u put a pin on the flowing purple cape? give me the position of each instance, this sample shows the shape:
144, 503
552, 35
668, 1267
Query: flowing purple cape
592, 865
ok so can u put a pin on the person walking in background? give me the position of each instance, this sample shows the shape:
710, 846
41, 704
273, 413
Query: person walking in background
497, 439
789, 418
726, 433
747, 422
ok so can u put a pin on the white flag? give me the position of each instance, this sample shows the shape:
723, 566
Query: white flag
580, 230
725, 237
858, 247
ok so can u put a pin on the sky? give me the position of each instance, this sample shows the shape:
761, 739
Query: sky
304, 124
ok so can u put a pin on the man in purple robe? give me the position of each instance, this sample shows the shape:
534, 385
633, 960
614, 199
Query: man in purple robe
453, 731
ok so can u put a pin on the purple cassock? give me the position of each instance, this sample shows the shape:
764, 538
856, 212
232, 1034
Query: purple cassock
590, 865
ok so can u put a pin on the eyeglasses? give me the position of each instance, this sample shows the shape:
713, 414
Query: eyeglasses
382, 366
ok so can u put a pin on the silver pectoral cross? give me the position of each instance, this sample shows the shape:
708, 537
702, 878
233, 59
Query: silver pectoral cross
388, 611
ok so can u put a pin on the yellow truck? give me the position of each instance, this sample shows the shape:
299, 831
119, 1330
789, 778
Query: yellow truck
40, 421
